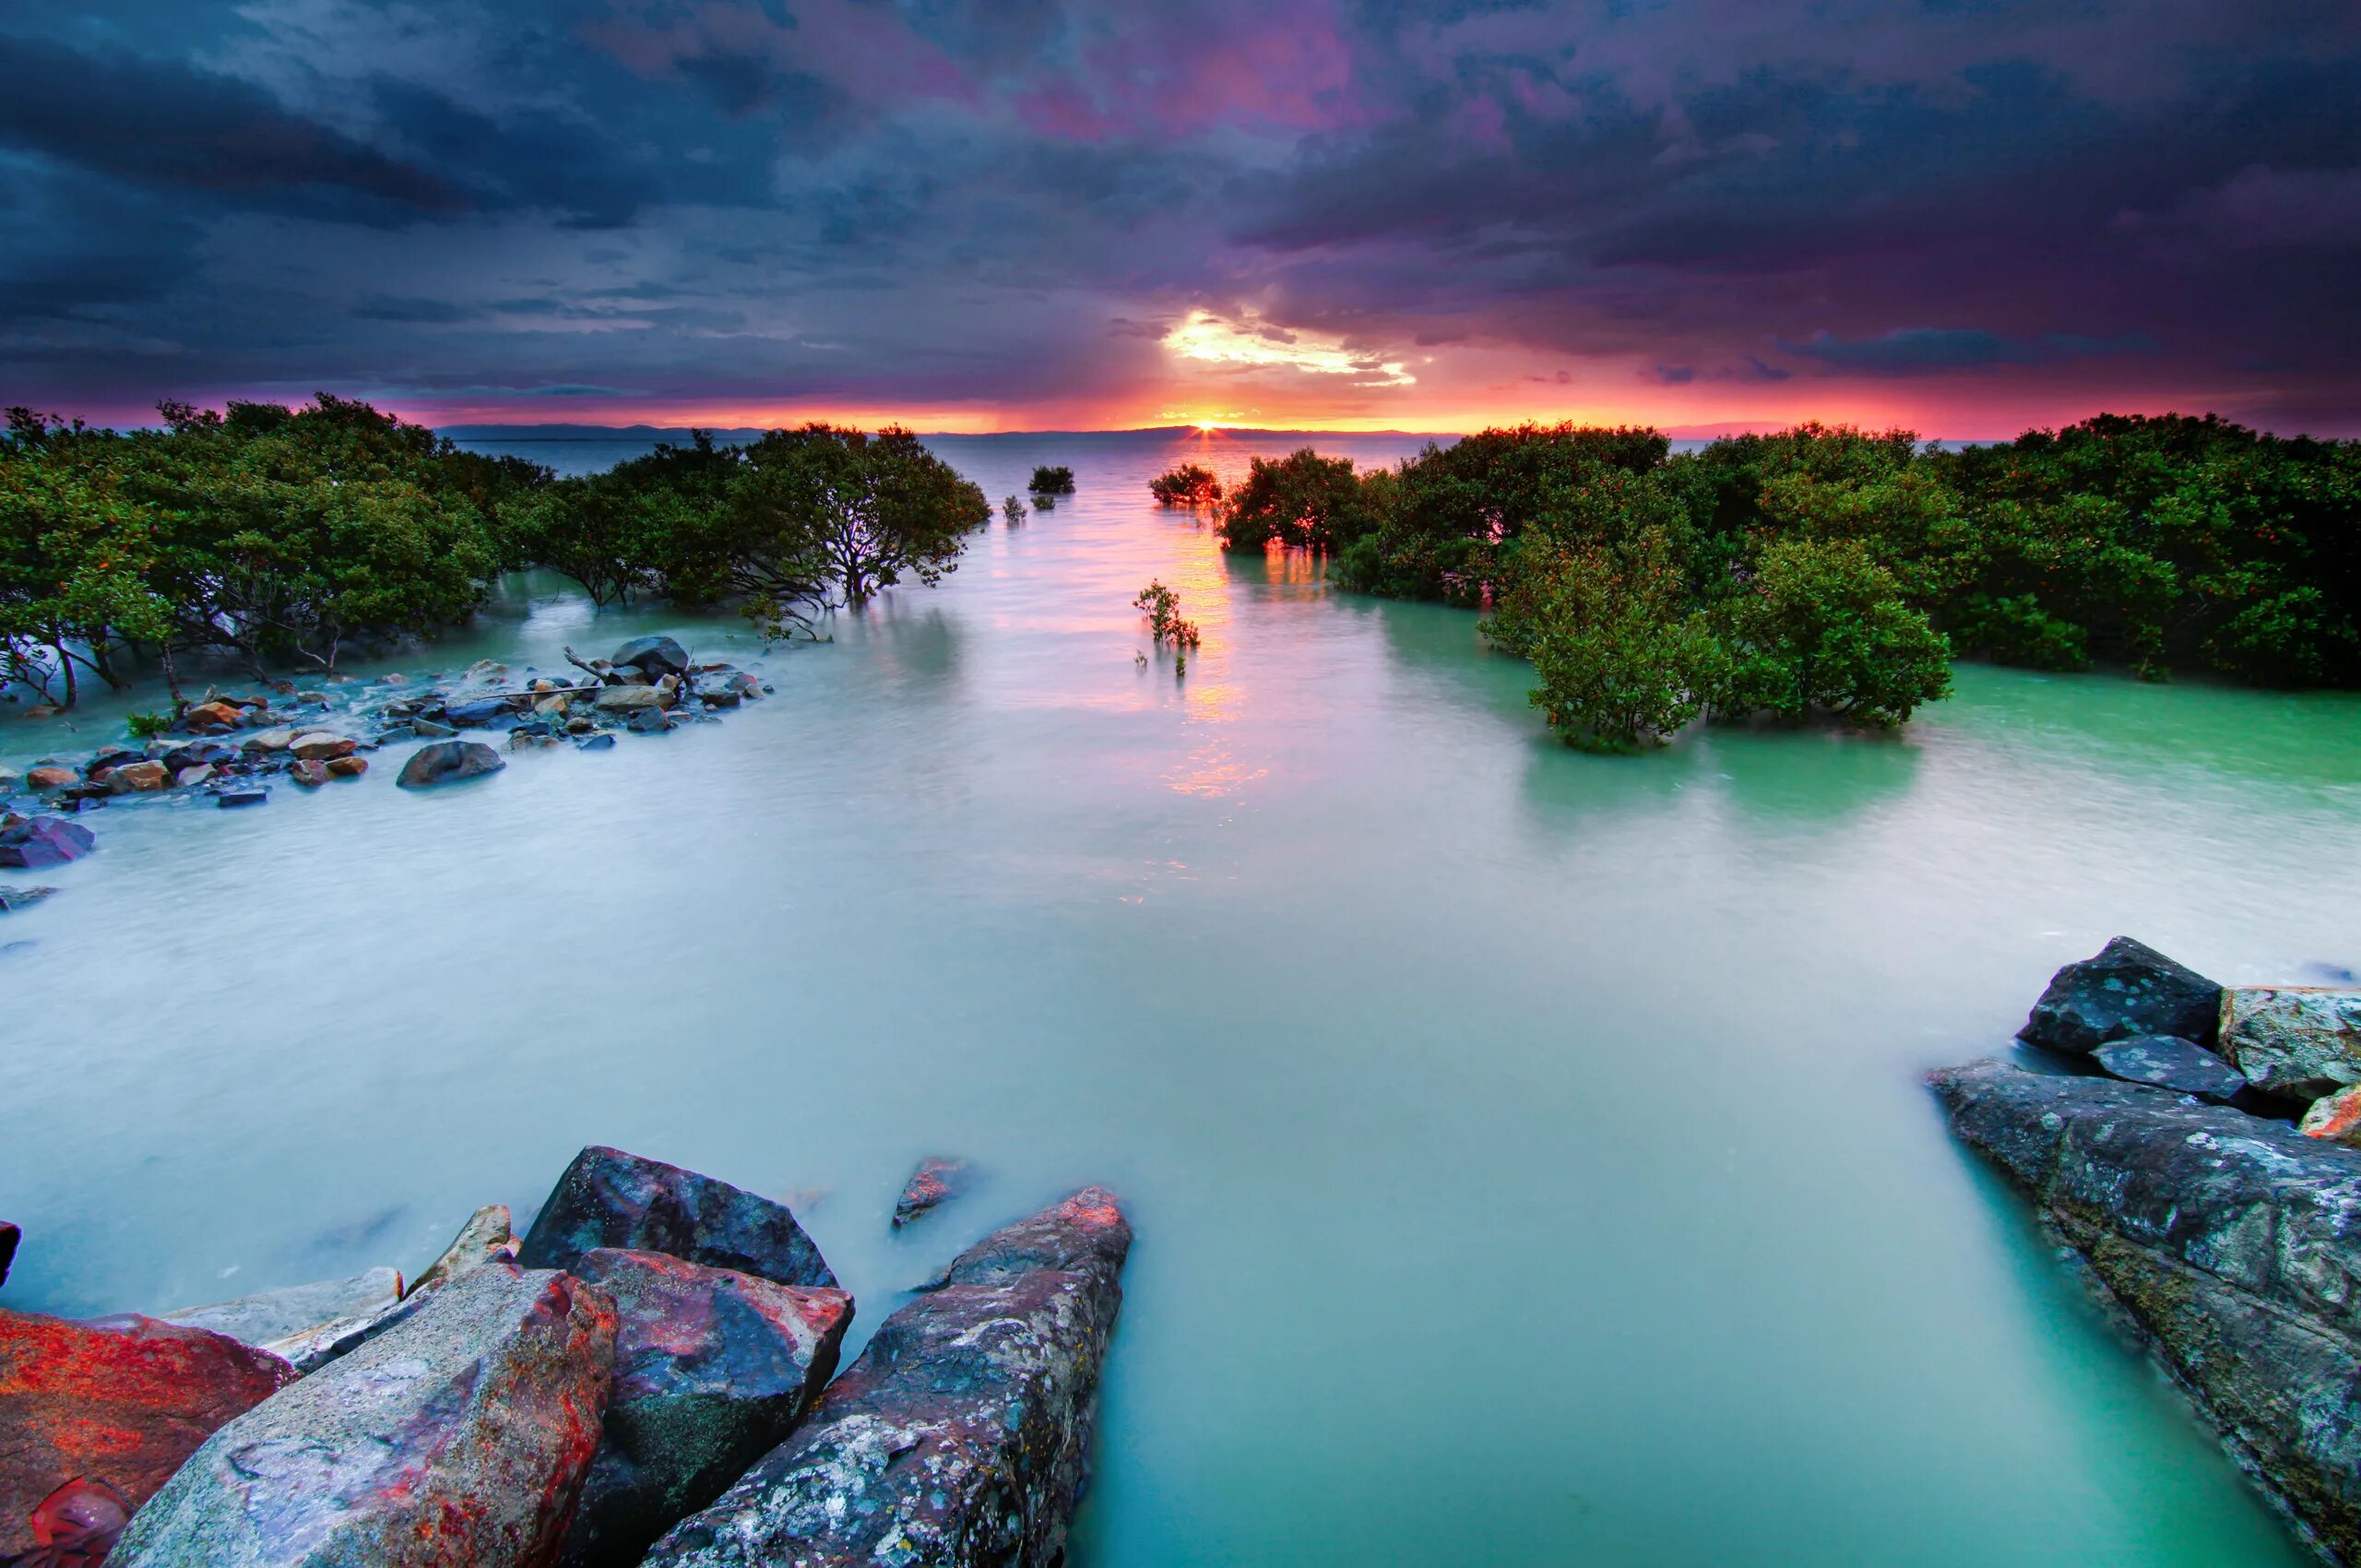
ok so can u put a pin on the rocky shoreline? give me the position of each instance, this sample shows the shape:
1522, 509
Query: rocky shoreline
648, 1374
228, 749
2199, 1150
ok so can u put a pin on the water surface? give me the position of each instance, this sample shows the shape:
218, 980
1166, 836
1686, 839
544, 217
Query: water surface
1526, 1147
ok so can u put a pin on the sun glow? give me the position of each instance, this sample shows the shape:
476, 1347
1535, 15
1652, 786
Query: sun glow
1255, 344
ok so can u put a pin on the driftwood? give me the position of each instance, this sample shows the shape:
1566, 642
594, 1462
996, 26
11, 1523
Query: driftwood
606, 677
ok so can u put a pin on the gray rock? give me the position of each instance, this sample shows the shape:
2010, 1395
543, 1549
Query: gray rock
268, 1319
231, 799
447, 762
2232, 1242
428, 730
2128, 990
712, 1369
2168, 1062
459, 1438
486, 1237
961, 1437
23, 897
629, 700
651, 656
2301, 1040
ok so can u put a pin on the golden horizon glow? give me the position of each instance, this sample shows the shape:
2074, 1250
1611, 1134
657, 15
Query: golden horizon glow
1253, 343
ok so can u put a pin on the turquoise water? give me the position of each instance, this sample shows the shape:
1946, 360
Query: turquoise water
1526, 1147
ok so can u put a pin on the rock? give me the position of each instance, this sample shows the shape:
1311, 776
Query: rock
629, 700
2336, 1117
190, 778
209, 716
13, 898
721, 699
9, 1238
651, 656
553, 704
745, 685
311, 775
2169, 1062
143, 777
428, 730
713, 1368
608, 1198
597, 744
932, 1183
75, 1526
649, 721
532, 742
283, 1321
2229, 1239
447, 762
48, 777
232, 800
45, 841
269, 741
2129, 988
459, 1437
319, 745
347, 766
120, 1401
961, 1437
199, 753
486, 1237
479, 713
2301, 1040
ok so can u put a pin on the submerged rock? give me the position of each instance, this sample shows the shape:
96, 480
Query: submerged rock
44, 841
231, 799
273, 1320
2128, 990
608, 1198
2301, 1040
23, 898
651, 656
118, 1401
713, 1368
459, 1438
934, 1182
2233, 1241
447, 762
2168, 1062
961, 1437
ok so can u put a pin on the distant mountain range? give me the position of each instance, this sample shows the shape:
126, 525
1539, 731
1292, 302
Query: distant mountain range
519, 432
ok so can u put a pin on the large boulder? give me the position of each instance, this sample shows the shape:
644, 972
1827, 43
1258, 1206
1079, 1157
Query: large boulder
457, 1440
119, 1402
961, 1437
713, 1368
609, 1198
2129, 988
2233, 1241
44, 841
447, 762
651, 656
2299, 1041
632, 699
2171, 1062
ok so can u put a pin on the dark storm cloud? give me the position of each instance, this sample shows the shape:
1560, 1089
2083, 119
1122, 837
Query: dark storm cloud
983, 203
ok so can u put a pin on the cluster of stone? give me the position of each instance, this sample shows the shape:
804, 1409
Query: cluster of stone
227, 749
2200, 1148
644, 1375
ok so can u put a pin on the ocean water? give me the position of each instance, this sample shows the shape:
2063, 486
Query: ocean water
1526, 1148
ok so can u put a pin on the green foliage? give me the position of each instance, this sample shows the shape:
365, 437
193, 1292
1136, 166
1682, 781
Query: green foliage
147, 726
1048, 481
1012, 510
1820, 625
1623, 661
1303, 499
1187, 485
1162, 607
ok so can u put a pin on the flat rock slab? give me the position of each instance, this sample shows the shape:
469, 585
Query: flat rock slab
2126, 989
2233, 1241
609, 1198
2170, 1063
270, 1315
713, 1369
961, 1437
457, 1439
2301, 1040
118, 1401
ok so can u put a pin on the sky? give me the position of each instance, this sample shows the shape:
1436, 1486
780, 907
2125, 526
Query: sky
1963, 217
